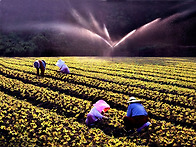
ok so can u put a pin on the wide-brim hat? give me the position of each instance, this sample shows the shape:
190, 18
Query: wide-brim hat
60, 63
133, 100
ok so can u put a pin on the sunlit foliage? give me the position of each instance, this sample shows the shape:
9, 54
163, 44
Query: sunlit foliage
51, 110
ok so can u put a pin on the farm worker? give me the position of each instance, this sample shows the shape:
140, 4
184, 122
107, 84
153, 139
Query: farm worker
40, 64
97, 112
63, 68
136, 115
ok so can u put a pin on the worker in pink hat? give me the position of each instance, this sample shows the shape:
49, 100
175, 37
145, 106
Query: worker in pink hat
40, 64
136, 115
63, 68
97, 112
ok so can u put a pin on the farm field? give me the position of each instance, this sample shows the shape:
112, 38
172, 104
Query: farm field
51, 110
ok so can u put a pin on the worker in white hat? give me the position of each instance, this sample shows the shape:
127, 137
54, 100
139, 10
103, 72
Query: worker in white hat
40, 64
63, 68
136, 115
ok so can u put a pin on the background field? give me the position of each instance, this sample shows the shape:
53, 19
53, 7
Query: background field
51, 110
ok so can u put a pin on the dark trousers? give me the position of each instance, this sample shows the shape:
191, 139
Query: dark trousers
42, 67
134, 122
42, 71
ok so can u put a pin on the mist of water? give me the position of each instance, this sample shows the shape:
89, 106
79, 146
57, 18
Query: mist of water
90, 27
157, 30
124, 38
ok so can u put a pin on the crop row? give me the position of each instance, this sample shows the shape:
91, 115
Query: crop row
133, 70
145, 93
158, 109
183, 64
164, 133
129, 66
131, 76
40, 127
144, 81
43, 97
23, 124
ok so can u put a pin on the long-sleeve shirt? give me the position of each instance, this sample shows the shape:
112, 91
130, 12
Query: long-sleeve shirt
136, 109
42, 67
64, 69
95, 114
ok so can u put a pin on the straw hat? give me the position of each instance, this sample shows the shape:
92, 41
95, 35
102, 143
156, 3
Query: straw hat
60, 63
133, 100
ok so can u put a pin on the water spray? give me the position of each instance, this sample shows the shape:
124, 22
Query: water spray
100, 38
124, 38
102, 33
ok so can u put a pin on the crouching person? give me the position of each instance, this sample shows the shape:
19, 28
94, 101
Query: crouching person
63, 68
97, 112
40, 64
136, 115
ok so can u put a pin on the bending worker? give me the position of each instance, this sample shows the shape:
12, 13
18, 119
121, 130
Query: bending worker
63, 68
97, 112
40, 64
136, 115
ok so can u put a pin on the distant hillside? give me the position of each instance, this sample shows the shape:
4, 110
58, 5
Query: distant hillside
31, 28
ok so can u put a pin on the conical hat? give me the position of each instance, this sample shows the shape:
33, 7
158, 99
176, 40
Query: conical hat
60, 63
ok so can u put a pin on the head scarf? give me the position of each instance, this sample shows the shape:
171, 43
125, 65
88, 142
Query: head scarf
60, 63
101, 105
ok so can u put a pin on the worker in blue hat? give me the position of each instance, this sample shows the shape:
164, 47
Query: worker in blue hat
40, 64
